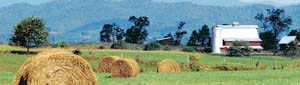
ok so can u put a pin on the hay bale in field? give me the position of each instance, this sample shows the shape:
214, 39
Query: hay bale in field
55, 68
125, 68
168, 65
106, 63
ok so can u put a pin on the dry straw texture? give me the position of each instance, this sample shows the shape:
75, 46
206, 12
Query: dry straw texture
125, 68
168, 65
106, 64
55, 68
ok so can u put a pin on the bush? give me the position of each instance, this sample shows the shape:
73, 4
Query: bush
101, 47
119, 45
77, 52
239, 49
208, 50
188, 49
152, 46
61, 45
194, 62
167, 49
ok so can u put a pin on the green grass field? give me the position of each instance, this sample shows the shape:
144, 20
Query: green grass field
10, 63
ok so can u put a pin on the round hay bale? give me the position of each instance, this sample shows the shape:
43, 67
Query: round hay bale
59, 68
168, 65
125, 68
106, 64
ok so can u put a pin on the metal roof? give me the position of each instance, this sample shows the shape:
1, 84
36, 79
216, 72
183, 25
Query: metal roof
242, 39
287, 39
164, 38
239, 32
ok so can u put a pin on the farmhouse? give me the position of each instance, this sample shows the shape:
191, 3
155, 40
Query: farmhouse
286, 40
225, 35
166, 41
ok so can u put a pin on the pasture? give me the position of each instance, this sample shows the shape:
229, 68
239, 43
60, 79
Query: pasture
10, 63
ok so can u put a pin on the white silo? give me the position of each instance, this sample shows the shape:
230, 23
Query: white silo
217, 39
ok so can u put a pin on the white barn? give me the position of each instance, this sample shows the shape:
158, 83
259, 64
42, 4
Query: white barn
225, 35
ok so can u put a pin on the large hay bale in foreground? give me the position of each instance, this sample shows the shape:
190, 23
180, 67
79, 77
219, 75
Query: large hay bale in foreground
106, 63
60, 68
125, 68
168, 65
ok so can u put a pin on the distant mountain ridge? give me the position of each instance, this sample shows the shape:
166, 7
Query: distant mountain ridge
81, 20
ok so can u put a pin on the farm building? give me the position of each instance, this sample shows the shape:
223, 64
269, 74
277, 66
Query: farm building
286, 40
225, 35
166, 41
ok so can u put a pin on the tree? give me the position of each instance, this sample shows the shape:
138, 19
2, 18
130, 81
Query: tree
204, 36
168, 35
268, 40
277, 19
295, 33
30, 32
137, 33
106, 33
111, 33
179, 33
119, 33
193, 39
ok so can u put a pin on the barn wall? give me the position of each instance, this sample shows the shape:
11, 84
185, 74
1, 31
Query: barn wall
249, 43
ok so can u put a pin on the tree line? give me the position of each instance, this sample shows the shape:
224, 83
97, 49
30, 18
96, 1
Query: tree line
138, 33
32, 32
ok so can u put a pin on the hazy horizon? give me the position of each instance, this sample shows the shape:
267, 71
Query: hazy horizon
201, 2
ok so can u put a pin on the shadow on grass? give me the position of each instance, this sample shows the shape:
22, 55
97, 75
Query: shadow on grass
23, 52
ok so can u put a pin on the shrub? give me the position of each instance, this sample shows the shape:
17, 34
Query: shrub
119, 45
61, 45
239, 49
101, 47
208, 50
188, 49
167, 48
152, 46
194, 62
77, 52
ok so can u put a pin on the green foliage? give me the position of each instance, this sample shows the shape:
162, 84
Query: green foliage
111, 33
291, 49
277, 19
77, 52
138, 32
106, 33
188, 49
179, 33
193, 39
168, 35
200, 38
30, 32
239, 49
101, 47
119, 45
167, 48
295, 33
61, 45
152, 46
268, 40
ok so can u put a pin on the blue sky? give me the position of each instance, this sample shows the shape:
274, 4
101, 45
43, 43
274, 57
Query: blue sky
10, 2
281, 2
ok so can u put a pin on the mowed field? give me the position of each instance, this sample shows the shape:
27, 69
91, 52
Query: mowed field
10, 63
